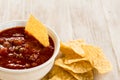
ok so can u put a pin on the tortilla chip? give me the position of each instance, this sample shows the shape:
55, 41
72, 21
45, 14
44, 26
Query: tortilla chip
38, 30
56, 77
85, 76
72, 51
78, 67
72, 48
97, 58
71, 59
58, 73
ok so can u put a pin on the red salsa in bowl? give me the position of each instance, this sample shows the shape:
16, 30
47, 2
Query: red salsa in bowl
19, 50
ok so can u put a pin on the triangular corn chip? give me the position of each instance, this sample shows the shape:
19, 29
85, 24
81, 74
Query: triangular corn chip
37, 30
97, 59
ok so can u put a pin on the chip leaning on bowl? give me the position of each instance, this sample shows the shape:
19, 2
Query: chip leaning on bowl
78, 61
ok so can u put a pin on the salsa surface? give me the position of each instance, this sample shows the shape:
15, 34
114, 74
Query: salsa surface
19, 50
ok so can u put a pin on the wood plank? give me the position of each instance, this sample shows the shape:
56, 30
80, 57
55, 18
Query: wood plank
3, 11
112, 14
27, 9
14, 10
89, 23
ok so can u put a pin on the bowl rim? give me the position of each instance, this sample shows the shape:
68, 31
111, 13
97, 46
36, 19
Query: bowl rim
55, 53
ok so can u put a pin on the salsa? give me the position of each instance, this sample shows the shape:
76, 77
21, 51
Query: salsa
20, 50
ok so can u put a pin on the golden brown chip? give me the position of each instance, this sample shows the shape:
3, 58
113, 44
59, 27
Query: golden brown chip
56, 77
84, 76
58, 73
72, 59
38, 30
72, 51
72, 48
78, 67
97, 58
62, 77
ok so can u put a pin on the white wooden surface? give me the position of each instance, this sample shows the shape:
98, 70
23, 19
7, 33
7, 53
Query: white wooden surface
96, 21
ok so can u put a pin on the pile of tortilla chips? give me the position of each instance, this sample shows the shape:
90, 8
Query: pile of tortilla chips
78, 62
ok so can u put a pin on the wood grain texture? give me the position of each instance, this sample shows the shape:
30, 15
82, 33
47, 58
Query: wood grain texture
96, 21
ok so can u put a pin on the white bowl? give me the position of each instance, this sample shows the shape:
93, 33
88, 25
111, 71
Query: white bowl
35, 73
